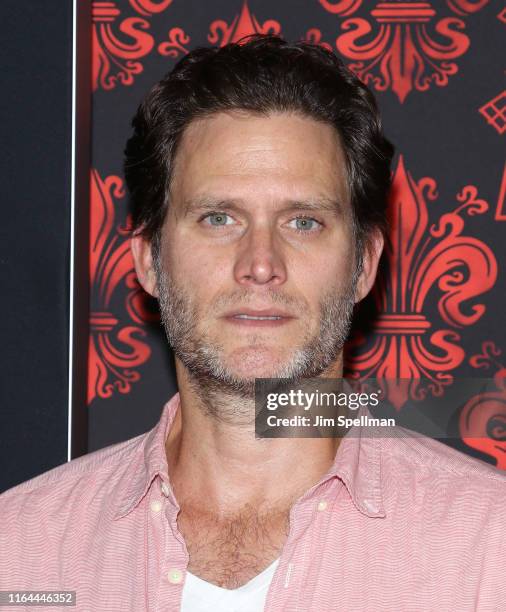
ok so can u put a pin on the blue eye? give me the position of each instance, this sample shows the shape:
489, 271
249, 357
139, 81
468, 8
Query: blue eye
217, 219
305, 224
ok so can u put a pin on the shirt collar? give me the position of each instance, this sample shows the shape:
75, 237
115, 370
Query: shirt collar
357, 464
149, 461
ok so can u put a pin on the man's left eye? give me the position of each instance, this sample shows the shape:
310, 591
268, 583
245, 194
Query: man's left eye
305, 224
218, 219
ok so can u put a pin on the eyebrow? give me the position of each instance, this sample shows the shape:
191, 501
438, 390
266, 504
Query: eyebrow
318, 205
313, 205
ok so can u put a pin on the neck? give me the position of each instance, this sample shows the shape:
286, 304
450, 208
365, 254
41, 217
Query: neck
219, 462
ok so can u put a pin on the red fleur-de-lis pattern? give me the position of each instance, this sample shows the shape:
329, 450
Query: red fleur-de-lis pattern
222, 33
483, 418
423, 259
440, 291
117, 343
403, 46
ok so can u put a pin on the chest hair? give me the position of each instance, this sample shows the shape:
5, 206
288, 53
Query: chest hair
230, 550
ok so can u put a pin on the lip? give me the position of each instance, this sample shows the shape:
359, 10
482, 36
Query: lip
231, 317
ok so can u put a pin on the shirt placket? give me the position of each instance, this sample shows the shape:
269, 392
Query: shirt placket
167, 558
289, 588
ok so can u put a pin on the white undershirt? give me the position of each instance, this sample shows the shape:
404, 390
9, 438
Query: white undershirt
202, 596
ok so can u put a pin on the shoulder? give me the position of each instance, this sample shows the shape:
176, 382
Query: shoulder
84, 475
452, 502
56, 526
444, 472
421, 453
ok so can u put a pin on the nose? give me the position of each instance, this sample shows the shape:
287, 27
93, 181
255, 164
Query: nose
259, 260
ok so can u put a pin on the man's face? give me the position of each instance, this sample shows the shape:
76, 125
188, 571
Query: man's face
257, 270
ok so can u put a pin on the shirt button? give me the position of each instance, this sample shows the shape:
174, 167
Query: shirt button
322, 506
165, 489
370, 506
175, 576
156, 506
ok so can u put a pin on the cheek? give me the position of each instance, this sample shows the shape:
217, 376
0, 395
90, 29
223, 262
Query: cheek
194, 264
325, 268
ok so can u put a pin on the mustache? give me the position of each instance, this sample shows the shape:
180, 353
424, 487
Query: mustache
172, 292
245, 297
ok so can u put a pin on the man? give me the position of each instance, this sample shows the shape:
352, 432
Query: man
258, 174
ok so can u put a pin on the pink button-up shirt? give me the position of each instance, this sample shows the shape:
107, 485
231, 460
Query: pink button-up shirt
398, 524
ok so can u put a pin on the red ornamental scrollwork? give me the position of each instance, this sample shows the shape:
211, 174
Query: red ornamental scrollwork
425, 264
175, 45
341, 7
314, 36
407, 46
114, 349
116, 59
482, 421
500, 213
148, 7
245, 23
466, 7
494, 112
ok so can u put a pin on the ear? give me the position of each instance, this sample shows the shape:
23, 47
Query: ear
143, 261
372, 253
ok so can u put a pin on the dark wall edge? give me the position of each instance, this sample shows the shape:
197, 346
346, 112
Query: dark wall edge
81, 223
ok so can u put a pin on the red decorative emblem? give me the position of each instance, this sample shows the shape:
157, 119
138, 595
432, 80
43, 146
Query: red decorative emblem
245, 23
175, 45
426, 265
341, 7
466, 7
500, 213
114, 348
115, 59
148, 7
483, 418
494, 112
407, 46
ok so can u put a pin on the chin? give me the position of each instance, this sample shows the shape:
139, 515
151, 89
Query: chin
259, 362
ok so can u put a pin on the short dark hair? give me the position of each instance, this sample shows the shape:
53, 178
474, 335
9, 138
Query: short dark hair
260, 74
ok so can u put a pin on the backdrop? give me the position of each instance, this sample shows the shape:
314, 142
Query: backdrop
35, 174
437, 311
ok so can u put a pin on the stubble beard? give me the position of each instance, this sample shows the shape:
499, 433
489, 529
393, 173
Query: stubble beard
205, 360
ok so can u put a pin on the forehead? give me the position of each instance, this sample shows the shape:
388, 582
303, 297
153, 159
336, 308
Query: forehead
281, 152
